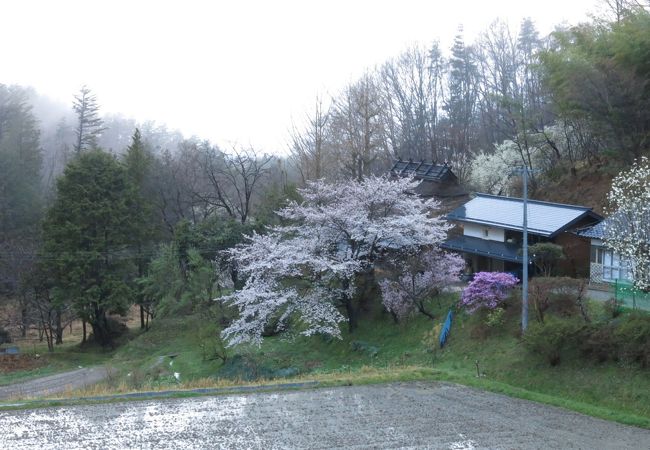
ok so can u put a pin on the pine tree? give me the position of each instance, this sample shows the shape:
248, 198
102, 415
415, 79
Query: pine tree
20, 185
138, 162
89, 125
461, 103
88, 234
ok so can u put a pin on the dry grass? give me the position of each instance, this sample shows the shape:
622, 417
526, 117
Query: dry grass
363, 375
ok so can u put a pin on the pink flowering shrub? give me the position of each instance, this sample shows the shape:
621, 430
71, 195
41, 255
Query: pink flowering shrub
488, 290
418, 279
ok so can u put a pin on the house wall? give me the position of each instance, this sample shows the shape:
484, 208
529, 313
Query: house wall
577, 251
606, 265
478, 231
438, 189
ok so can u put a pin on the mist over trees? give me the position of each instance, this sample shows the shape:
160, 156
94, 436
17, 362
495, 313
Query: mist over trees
510, 97
100, 212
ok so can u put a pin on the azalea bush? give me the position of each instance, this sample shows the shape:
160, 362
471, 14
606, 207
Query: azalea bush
487, 291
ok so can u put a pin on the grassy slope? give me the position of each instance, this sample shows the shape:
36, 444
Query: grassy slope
607, 390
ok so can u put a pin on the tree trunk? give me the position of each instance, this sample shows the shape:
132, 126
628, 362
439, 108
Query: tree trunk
424, 311
101, 332
140, 296
59, 328
24, 321
353, 320
49, 338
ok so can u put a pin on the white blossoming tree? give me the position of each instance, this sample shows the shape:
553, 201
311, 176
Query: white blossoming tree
627, 230
490, 172
305, 273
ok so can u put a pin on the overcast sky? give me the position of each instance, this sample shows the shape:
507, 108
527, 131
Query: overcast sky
231, 71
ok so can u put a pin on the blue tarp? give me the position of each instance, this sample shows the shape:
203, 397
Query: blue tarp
10, 350
446, 328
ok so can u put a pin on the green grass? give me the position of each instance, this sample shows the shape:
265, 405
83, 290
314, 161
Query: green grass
614, 391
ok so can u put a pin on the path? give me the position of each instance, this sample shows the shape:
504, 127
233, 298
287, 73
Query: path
412, 415
54, 384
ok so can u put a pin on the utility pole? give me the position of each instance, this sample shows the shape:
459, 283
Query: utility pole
524, 275
524, 282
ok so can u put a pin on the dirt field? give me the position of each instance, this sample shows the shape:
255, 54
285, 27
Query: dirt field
413, 415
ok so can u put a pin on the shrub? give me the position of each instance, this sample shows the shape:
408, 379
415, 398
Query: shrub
632, 337
599, 343
488, 290
625, 339
495, 318
560, 295
613, 307
554, 338
365, 348
545, 255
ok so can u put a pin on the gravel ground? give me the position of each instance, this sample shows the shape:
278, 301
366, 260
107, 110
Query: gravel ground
54, 384
400, 415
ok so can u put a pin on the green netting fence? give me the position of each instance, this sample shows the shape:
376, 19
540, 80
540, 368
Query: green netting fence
631, 297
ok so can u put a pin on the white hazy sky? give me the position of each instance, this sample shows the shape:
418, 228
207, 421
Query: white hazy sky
231, 71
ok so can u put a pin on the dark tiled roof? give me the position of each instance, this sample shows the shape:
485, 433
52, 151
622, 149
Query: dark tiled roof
422, 170
594, 232
477, 246
544, 218
619, 222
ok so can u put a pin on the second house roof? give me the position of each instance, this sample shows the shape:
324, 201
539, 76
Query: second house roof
544, 218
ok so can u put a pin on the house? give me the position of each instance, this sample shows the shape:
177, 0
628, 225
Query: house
438, 180
605, 266
490, 233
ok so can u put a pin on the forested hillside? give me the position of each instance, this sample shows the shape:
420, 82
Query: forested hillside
99, 213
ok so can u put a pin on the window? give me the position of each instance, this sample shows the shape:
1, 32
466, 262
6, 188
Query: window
486, 232
614, 267
597, 255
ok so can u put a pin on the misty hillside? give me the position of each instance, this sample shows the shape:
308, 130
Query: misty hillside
572, 107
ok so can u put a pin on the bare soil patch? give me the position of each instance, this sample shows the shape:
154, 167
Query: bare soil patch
15, 363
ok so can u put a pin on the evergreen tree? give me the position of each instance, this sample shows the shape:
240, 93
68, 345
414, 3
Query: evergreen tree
89, 125
138, 162
20, 162
461, 103
88, 234
20, 186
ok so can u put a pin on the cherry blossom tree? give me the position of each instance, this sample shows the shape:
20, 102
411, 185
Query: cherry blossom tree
419, 278
488, 290
305, 273
627, 230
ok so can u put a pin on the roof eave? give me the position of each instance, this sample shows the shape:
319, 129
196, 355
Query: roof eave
543, 233
576, 220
